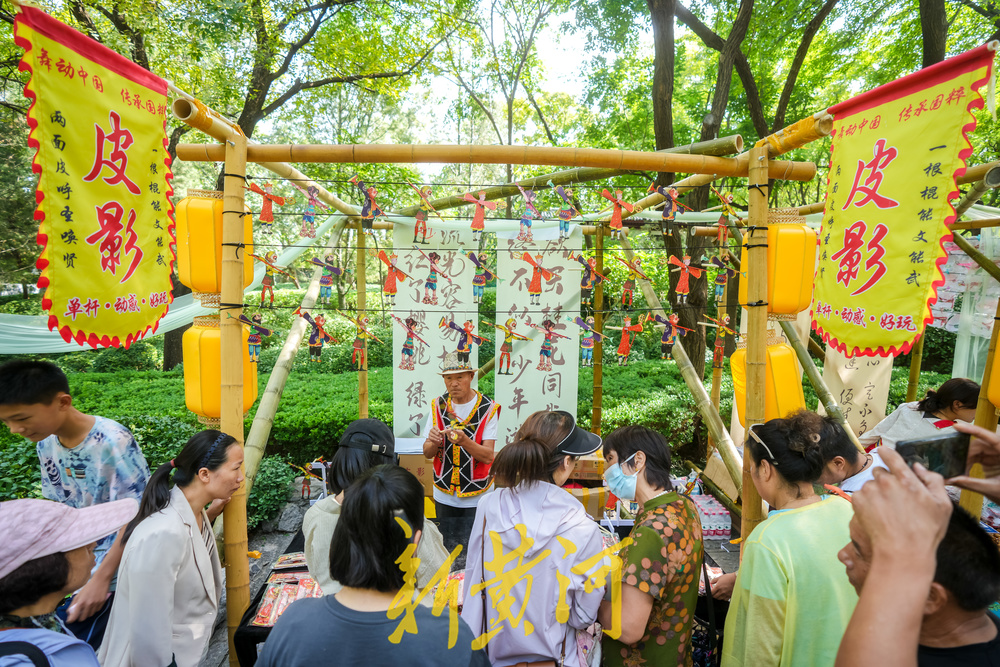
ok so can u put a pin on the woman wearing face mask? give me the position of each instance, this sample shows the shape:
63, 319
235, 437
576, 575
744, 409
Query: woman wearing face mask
662, 564
529, 509
791, 603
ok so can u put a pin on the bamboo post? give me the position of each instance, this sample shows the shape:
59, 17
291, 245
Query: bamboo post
756, 357
231, 420
713, 421
990, 180
986, 416
817, 381
362, 306
717, 374
598, 361
486, 368
916, 358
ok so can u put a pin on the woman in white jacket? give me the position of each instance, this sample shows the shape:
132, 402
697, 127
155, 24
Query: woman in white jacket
535, 603
170, 579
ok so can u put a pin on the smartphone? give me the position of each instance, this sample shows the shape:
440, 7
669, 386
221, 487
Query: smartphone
945, 454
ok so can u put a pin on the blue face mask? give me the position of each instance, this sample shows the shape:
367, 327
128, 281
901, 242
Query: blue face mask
619, 483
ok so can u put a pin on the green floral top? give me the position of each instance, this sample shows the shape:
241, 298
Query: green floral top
664, 560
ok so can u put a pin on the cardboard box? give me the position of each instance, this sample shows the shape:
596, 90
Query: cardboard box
593, 500
589, 467
422, 468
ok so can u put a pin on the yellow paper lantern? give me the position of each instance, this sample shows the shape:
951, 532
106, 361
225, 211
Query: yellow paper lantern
202, 345
791, 263
199, 242
782, 385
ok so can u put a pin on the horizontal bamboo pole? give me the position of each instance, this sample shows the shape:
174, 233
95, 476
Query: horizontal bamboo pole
974, 224
522, 155
799, 133
196, 114
977, 173
812, 208
817, 381
713, 421
990, 180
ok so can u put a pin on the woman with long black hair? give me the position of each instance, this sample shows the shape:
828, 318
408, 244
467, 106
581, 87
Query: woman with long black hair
954, 401
170, 578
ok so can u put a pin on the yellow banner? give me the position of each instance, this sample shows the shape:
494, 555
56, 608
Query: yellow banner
896, 152
98, 122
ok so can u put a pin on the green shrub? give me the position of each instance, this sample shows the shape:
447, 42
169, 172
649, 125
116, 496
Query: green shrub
140, 356
20, 475
159, 437
270, 490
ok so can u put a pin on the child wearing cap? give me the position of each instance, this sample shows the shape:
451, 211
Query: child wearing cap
46, 553
85, 460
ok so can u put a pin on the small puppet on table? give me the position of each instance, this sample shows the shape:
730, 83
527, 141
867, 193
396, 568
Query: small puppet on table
318, 336
535, 282
370, 209
589, 279
684, 280
628, 288
330, 269
256, 331
722, 328
545, 352
722, 277
671, 330
465, 337
406, 361
568, 210
430, 285
479, 217
483, 276
266, 217
625, 345
589, 339
530, 213
617, 204
509, 336
392, 275
423, 209
309, 215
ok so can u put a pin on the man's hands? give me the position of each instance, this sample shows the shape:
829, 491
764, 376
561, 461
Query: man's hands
434, 444
89, 599
985, 450
722, 587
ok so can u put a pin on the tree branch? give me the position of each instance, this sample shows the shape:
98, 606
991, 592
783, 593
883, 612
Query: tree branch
296, 46
800, 57
538, 110
79, 12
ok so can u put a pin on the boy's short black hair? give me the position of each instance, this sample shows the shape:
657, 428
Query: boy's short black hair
968, 563
25, 382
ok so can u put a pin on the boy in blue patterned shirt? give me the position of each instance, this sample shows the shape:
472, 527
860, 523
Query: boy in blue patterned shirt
85, 460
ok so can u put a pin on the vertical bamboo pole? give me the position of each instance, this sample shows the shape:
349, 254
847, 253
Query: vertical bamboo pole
717, 375
362, 310
598, 368
753, 512
231, 421
986, 416
916, 358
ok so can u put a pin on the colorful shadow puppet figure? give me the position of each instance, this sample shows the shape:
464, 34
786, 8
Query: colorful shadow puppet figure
465, 337
568, 210
589, 339
393, 274
509, 336
479, 217
722, 326
482, 277
684, 279
423, 208
628, 287
535, 282
617, 204
266, 216
361, 335
625, 344
722, 277
530, 213
431, 284
270, 268
256, 331
309, 215
406, 355
317, 336
330, 269
370, 209
671, 206
589, 279
545, 352
671, 331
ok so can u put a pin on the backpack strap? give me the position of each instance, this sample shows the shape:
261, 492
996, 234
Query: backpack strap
30, 651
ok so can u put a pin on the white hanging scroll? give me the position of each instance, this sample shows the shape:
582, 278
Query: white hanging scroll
532, 291
860, 385
415, 379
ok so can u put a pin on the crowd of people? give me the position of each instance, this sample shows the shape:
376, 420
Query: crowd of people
120, 567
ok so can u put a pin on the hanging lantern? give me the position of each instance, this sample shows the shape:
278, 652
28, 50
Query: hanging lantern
202, 345
791, 263
199, 242
782, 385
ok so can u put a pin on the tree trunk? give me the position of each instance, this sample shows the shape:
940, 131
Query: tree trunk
661, 13
173, 351
934, 25
24, 291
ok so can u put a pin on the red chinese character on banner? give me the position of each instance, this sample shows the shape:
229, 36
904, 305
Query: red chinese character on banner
849, 256
117, 160
110, 218
73, 308
131, 247
887, 321
882, 158
91, 307
874, 259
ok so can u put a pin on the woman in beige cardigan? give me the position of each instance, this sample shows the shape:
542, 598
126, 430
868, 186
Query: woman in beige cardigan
170, 579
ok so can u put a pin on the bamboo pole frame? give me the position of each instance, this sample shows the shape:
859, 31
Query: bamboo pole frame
756, 358
916, 359
487, 154
598, 361
713, 421
817, 381
986, 416
714, 489
231, 421
974, 224
362, 305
